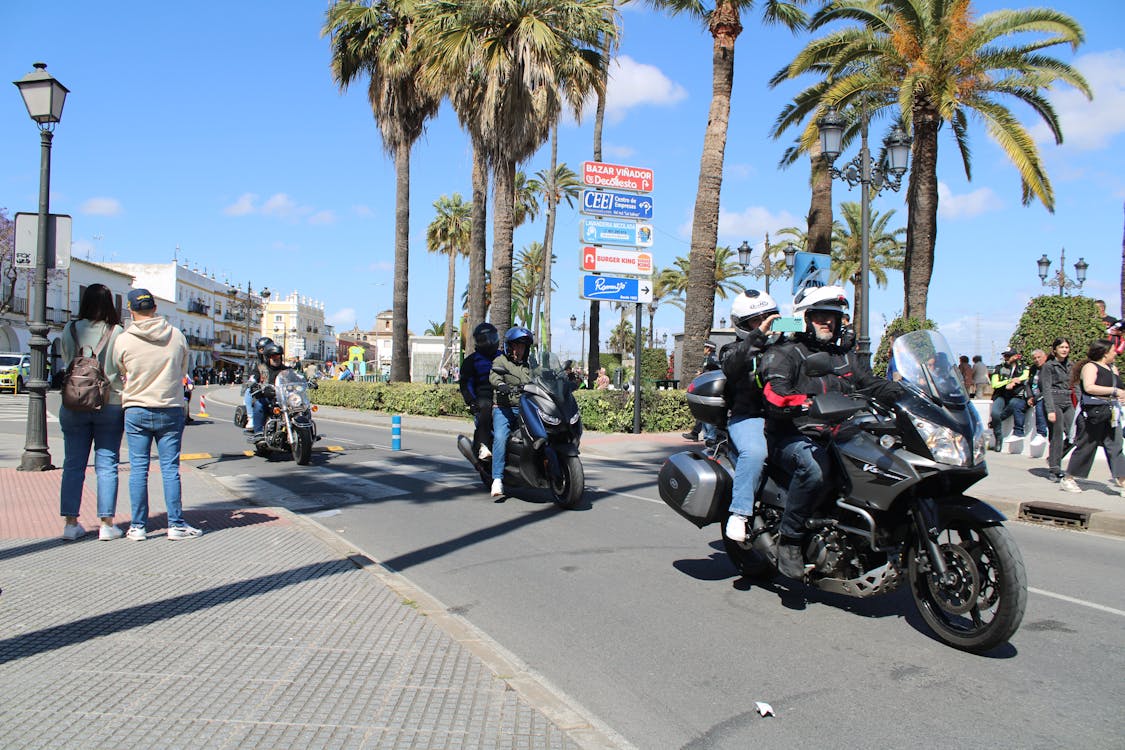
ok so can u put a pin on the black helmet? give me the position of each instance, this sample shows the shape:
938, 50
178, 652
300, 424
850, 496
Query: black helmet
260, 344
486, 338
271, 349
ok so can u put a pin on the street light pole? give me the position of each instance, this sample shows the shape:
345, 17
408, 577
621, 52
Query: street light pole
44, 97
1060, 280
864, 171
582, 335
765, 267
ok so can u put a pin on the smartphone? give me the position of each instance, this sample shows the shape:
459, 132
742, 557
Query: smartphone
787, 325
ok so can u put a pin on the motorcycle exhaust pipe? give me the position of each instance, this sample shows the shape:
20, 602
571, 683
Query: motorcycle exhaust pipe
466, 447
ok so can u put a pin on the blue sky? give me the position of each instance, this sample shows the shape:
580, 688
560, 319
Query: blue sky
216, 127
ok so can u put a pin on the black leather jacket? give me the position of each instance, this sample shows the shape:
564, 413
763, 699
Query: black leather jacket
740, 361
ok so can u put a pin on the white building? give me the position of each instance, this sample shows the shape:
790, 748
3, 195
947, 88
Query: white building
297, 323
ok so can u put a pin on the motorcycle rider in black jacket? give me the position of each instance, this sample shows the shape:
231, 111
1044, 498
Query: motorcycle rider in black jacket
787, 389
273, 363
476, 391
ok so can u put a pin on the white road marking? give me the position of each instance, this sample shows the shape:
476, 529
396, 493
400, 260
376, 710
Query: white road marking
1081, 602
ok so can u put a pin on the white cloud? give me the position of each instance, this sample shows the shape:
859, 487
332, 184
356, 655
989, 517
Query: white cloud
363, 211
751, 224
323, 217
280, 204
979, 201
243, 206
342, 318
633, 84
1089, 125
101, 207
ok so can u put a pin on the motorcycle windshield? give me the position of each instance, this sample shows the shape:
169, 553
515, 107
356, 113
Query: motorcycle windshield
549, 374
292, 391
924, 361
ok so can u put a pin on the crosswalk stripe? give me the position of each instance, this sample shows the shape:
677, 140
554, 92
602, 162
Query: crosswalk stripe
13, 408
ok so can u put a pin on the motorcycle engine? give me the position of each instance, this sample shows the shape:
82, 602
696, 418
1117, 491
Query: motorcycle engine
274, 431
831, 553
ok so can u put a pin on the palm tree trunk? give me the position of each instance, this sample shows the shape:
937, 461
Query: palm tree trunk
478, 246
450, 290
503, 197
1122, 308
819, 236
400, 344
549, 236
699, 308
595, 352
921, 223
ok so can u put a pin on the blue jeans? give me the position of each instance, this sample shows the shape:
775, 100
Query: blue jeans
748, 436
709, 432
1002, 408
807, 464
165, 426
504, 420
248, 402
80, 429
1040, 418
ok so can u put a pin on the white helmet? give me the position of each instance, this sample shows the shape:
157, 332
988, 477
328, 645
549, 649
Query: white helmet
829, 298
747, 305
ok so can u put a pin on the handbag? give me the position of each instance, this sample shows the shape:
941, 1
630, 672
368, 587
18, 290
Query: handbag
1097, 413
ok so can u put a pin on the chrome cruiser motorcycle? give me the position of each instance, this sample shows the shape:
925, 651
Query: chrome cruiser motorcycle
543, 452
289, 426
898, 513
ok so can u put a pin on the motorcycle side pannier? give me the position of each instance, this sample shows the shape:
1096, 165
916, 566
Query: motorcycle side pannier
695, 487
705, 398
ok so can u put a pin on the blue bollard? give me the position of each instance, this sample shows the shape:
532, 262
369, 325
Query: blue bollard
396, 432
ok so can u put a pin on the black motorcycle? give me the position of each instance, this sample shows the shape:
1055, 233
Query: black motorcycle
289, 426
899, 511
543, 452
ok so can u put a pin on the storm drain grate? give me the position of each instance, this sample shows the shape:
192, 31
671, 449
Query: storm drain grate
1057, 514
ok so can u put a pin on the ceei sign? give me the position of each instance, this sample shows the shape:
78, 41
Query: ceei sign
611, 260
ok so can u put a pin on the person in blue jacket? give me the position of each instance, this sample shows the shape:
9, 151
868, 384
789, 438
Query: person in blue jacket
475, 388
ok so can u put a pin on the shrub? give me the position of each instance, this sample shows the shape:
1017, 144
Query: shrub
897, 327
1047, 318
654, 365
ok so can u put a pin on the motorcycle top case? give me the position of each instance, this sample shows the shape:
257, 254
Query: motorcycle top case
695, 487
705, 398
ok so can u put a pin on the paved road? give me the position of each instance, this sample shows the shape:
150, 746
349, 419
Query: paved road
638, 616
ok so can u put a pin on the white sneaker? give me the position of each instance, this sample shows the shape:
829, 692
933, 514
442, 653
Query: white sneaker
108, 533
184, 532
736, 528
1067, 484
73, 531
484, 453
497, 488
136, 533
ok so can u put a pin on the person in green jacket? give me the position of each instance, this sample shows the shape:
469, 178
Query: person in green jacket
1009, 397
510, 372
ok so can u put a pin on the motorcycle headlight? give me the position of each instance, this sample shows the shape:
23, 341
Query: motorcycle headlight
575, 418
945, 445
294, 402
548, 418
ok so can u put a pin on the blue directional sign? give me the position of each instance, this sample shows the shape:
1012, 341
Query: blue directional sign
616, 289
615, 232
810, 269
623, 205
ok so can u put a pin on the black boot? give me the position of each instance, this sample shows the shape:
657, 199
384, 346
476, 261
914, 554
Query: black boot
790, 559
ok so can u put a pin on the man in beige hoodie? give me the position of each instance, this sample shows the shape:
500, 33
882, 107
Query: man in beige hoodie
152, 356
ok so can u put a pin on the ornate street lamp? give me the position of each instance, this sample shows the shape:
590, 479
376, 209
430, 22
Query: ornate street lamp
582, 328
868, 175
765, 268
1059, 280
44, 97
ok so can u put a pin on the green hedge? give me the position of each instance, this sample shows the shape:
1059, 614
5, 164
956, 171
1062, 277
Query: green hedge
603, 411
1049, 317
897, 327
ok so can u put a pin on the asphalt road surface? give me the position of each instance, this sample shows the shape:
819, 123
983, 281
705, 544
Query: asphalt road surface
639, 617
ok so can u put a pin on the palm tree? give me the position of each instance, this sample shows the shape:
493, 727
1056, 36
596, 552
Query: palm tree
724, 23
621, 338
934, 62
438, 329
531, 56
376, 39
885, 252
727, 270
675, 280
449, 233
486, 288
555, 185
527, 282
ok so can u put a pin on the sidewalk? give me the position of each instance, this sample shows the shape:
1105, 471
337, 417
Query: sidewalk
267, 632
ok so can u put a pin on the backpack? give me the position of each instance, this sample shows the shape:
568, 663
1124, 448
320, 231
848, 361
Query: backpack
85, 386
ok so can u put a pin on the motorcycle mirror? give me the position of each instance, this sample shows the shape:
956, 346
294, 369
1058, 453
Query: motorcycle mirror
818, 365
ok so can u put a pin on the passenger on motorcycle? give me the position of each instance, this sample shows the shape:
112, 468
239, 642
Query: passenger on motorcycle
252, 377
475, 388
751, 314
786, 391
274, 363
510, 372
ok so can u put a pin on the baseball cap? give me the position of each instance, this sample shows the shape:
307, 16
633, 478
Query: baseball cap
141, 299
1008, 353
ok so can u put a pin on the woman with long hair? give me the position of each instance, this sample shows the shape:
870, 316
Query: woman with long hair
98, 322
1102, 394
1056, 389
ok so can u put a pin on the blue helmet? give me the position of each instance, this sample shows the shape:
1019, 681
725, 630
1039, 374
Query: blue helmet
515, 335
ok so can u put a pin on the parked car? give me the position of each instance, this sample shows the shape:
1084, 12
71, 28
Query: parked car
15, 371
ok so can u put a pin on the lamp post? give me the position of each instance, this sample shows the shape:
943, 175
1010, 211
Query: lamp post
766, 266
869, 175
1059, 279
582, 328
248, 308
44, 98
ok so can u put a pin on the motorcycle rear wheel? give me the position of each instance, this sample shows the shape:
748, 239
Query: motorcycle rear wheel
749, 562
302, 445
567, 490
984, 604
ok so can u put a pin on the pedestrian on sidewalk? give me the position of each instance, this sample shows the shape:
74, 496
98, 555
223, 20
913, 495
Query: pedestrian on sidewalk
1009, 398
1035, 392
1058, 404
981, 387
152, 356
1102, 395
95, 330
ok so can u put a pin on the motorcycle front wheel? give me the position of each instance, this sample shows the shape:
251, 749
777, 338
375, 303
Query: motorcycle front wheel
302, 445
567, 489
981, 602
